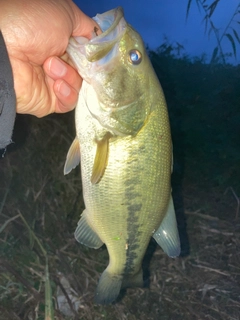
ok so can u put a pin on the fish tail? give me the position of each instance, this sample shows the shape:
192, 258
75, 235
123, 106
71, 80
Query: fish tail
108, 288
135, 280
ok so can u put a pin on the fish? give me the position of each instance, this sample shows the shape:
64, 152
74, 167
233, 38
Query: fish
123, 143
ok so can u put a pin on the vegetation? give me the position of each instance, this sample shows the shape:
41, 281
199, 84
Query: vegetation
228, 32
40, 208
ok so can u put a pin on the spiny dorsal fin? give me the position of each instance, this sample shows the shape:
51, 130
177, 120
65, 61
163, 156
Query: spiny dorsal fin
101, 158
73, 157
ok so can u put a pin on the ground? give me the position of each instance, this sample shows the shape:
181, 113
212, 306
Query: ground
38, 214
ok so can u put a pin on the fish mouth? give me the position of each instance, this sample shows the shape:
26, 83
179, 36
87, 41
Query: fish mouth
113, 26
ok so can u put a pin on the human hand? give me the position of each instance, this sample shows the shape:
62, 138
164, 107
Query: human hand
36, 34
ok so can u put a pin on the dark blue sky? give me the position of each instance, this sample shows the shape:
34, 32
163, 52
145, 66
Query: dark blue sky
155, 19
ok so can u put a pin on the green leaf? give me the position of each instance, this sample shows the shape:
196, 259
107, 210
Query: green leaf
206, 18
214, 55
212, 7
188, 7
197, 1
230, 38
49, 310
7, 222
179, 45
236, 35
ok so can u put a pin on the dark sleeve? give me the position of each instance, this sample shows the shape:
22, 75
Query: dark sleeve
7, 97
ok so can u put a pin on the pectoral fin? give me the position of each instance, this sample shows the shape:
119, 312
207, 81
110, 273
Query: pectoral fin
167, 234
85, 234
73, 157
101, 158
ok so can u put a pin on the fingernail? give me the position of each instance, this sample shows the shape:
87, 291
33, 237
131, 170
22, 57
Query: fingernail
64, 89
57, 67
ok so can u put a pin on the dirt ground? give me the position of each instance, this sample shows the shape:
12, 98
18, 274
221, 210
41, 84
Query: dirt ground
203, 283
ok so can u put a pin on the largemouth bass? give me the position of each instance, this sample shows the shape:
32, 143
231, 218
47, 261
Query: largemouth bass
124, 143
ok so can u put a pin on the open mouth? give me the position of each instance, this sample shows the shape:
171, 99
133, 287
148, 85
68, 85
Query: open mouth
113, 25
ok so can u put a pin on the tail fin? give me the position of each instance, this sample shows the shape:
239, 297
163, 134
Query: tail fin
108, 288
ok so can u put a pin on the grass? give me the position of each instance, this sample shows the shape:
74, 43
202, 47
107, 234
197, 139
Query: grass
40, 208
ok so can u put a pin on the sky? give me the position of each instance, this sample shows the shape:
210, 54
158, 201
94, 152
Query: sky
156, 19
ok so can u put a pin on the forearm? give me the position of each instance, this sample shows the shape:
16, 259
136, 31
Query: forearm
7, 97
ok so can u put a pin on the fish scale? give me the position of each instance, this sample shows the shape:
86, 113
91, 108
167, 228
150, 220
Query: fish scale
126, 155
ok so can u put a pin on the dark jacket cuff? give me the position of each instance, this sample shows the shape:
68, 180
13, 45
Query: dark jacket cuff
7, 97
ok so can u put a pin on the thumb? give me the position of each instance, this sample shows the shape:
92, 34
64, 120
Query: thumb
84, 26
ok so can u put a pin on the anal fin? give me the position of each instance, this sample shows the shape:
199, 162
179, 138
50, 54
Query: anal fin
85, 234
167, 234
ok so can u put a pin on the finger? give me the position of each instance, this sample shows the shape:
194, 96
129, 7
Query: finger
66, 95
56, 69
84, 25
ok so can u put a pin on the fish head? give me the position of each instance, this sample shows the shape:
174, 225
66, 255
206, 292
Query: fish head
116, 67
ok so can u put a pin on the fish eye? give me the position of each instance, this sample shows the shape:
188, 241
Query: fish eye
135, 56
